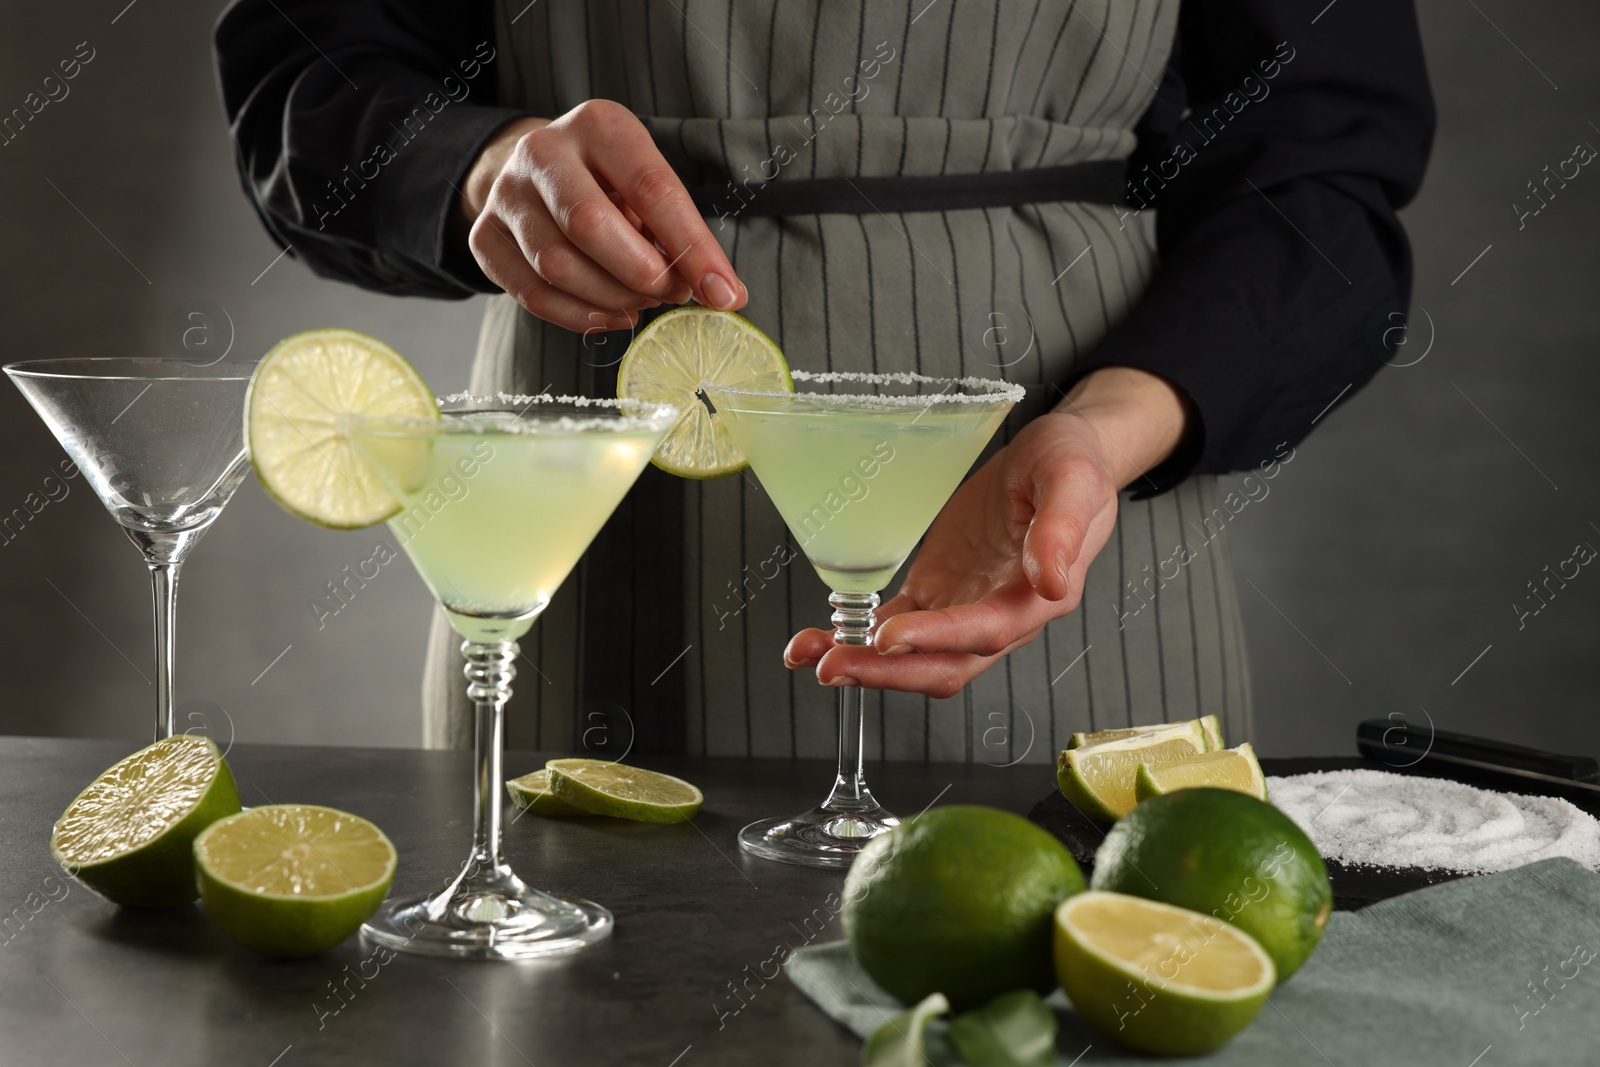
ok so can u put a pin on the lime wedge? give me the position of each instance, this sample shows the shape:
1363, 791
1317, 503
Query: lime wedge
1213, 730
1157, 978
128, 836
1195, 729
1232, 768
602, 788
297, 395
1099, 779
532, 791
669, 359
292, 879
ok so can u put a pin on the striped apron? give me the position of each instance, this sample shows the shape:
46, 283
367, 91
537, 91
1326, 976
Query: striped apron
669, 634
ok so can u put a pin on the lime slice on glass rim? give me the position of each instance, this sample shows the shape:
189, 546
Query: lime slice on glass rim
1232, 768
292, 879
128, 836
623, 792
532, 792
1158, 978
669, 359
298, 394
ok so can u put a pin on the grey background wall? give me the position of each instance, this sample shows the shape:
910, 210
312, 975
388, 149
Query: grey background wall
1379, 575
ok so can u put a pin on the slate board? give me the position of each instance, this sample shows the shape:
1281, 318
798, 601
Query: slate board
1354, 887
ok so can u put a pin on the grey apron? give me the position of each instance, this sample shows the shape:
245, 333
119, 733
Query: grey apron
669, 635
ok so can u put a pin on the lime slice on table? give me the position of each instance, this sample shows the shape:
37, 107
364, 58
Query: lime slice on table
297, 395
1158, 978
1099, 780
1195, 729
602, 788
1232, 768
292, 879
128, 836
669, 359
532, 791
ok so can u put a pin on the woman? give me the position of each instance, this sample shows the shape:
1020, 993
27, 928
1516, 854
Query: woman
596, 161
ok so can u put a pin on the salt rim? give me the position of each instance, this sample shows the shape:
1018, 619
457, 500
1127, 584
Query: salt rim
991, 389
1381, 819
658, 413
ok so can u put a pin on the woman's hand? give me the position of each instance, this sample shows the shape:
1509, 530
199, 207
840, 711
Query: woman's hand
1010, 550
584, 222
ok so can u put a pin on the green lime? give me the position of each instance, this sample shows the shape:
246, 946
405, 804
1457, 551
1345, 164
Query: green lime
298, 393
128, 836
1099, 779
532, 791
1194, 729
292, 879
1157, 978
1229, 855
669, 359
1231, 768
602, 788
958, 901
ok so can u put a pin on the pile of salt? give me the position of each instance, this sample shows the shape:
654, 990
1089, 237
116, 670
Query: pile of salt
1397, 820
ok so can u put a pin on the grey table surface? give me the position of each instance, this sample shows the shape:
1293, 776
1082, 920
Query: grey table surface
85, 982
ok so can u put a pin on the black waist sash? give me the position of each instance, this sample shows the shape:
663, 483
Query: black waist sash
1095, 182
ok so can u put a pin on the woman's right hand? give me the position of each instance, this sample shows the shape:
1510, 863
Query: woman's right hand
584, 222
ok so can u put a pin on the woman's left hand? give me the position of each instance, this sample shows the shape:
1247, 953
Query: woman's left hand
1010, 550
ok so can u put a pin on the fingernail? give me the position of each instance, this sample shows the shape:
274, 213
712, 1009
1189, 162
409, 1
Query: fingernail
895, 650
717, 292
842, 681
1061, 565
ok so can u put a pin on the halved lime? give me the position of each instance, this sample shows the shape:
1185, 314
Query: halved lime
1157, 978
1194, 729
1099, 779
128, 836
532, 791
292, 879
297, 395
602, 788
669, 359
1232, 768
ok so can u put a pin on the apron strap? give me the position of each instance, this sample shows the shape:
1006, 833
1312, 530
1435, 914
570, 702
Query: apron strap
1096, 182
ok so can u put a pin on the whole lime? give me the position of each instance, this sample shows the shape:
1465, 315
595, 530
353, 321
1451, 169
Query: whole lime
959, 901
1230, 856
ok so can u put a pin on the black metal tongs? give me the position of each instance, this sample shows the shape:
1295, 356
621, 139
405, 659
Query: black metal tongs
1402, 746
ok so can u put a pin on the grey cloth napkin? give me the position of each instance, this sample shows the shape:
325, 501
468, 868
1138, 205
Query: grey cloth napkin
1479, 972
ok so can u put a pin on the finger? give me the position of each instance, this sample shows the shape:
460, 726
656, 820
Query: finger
985, 628
587, 218
807, 647
635, 168
1067, 496
941, 675
504, 264
559, 262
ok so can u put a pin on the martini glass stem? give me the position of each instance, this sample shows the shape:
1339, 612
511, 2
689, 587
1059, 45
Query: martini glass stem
853, 621
490, 670
164, 594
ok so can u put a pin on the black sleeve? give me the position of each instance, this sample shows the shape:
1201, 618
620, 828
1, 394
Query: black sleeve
1283, 264
353, 122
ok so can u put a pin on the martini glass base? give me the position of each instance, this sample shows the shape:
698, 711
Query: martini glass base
818, 838
504, 922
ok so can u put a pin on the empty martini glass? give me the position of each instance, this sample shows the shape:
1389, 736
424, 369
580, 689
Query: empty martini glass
499, 499
162, 443
858, 465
